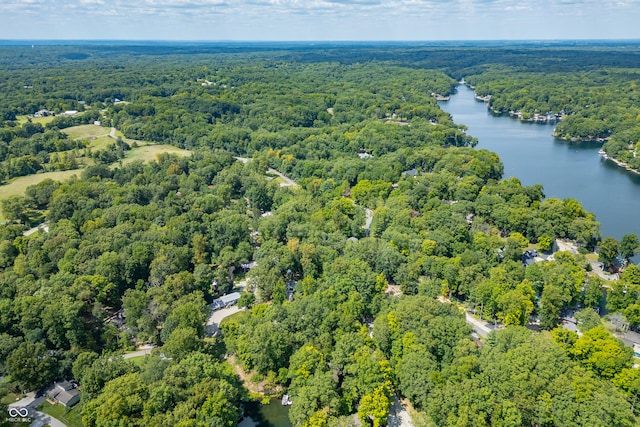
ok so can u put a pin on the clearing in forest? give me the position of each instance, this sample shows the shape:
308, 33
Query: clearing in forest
18, 186
150, 152
97, 136
146, 153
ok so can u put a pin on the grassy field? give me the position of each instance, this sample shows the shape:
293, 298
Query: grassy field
591, 257
138, 361
18, 186
10, 398
149, 152
72, 418
42, 120
234, 317
98, 136
86, 131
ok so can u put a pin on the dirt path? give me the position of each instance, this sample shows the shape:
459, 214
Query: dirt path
257, 388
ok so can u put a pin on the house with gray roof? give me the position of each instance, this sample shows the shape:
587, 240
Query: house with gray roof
64, 393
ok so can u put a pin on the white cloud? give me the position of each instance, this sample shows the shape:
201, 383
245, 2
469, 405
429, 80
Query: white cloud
318, 19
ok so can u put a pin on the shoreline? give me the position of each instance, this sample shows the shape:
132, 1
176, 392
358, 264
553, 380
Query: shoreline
544, 119
536, 118
619, 163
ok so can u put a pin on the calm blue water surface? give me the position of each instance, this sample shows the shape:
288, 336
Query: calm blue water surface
565, 169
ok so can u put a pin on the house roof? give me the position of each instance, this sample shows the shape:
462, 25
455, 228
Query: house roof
63, 396
64, 385
225, 299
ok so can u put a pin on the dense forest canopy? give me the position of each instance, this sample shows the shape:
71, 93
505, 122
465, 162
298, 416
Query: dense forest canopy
387, 223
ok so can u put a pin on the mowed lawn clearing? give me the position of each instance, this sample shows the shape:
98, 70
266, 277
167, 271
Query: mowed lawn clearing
86, 131
42, 120
149, 152
97, 136
145, 153
71, 417
18, 186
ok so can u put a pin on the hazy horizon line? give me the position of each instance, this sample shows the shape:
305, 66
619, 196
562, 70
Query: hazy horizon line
341, 41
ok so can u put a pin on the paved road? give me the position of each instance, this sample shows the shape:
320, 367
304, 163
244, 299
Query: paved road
288, 182
482, 328
142, 352
42, 419
44, 226
112, 133
243, 159
565, 245
597, 267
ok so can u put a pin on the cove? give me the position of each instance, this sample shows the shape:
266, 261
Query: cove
530, 153
272, 414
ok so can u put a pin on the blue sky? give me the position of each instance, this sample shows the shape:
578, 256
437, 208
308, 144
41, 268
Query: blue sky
319, 19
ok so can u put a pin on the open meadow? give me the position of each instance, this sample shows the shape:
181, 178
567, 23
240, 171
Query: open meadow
18, 186
42, 120
150, 152
99, 137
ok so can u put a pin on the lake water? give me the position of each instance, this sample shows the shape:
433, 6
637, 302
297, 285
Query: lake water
565, 169
271, 415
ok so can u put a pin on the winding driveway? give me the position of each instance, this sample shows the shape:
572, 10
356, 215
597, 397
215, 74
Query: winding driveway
213, 323
39, 418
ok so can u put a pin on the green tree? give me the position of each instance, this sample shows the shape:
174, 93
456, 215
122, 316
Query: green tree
319, 392
181, 342
101, 371
418, 375
601, 352
608, 251
593, 295
31, 366
628, 380
120, 403
629, 245
551, 304
587, 319
218, 410
374, 408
